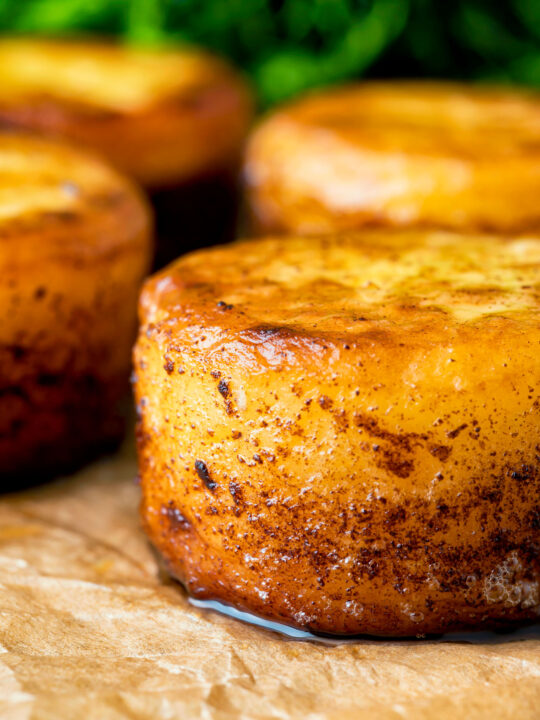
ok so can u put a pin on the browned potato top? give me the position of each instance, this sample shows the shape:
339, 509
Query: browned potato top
342, 433
160, 115
384, 288
53, 192
399, 154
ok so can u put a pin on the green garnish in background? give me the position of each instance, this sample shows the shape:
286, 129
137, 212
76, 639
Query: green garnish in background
290, 45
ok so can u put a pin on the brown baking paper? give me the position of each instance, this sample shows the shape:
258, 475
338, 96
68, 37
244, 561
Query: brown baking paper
90, 630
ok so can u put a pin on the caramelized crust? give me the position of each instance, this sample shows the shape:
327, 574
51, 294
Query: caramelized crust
400, 154
343, 433
74, 248
163, 117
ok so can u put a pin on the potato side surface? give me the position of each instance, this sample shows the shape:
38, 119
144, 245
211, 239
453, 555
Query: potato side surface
398, 154
74, 247
343, 434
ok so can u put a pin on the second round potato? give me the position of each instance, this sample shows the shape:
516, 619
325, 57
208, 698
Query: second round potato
398, 155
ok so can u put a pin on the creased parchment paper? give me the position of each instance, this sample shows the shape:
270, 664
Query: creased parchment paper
89, 630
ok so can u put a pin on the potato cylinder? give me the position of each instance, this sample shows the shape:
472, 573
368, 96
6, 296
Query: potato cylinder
342, 433
75, 244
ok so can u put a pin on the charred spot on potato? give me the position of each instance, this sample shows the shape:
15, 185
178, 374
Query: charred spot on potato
454, 433
224, 388
204, 474
523, 473
17, 351
169, 365
48, 379
237, 493
441, 452
176, 519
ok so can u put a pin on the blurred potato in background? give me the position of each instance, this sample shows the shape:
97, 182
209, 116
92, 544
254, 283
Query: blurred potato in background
287, 46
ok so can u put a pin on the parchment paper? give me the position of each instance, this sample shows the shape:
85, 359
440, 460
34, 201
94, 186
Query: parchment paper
89, 630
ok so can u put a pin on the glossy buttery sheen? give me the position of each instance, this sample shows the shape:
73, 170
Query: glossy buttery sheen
74, 248
343, 433
398, 154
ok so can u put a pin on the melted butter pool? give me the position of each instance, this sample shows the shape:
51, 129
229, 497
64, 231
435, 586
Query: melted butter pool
480, 637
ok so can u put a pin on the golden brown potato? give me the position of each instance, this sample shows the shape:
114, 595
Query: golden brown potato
160, 116
173, 120
74, 248
398, 154
343, 433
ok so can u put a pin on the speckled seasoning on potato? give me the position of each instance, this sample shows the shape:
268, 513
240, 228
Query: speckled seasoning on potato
174, 120
75, 244
343, 433
398, 154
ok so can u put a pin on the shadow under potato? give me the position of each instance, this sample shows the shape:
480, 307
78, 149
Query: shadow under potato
195, 214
